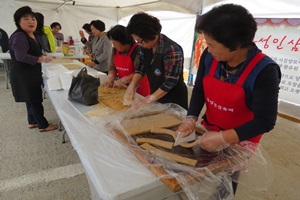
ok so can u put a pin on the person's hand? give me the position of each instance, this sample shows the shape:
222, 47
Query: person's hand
125, 80
119, 84
109, 82
129, 93
47, 59
147, 100
187, 126
91, 64
81, 34
213, 141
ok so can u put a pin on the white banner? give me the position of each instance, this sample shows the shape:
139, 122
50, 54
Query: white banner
282, 43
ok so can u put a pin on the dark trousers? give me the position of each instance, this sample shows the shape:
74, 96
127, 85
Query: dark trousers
35, 115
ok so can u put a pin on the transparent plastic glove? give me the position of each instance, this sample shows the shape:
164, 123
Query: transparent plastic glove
109, 82
147, 100
47, 59
119, 84
81, 33
125, 80
129, 94
213, 141
187, 126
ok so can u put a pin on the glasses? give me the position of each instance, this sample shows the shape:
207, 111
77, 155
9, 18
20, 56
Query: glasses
140, 41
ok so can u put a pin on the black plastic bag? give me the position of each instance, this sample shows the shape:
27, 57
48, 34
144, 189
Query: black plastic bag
84, 88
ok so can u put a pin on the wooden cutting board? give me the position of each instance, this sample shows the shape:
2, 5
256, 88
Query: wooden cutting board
143, 124
205, 162
171, 182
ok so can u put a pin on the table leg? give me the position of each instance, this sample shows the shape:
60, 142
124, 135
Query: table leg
60, 127
6, 70
64, 137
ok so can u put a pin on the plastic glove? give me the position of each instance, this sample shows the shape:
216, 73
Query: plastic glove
213, 141
81, 34
187, 126
125, 80
47, 59
109, 82
147, 100
119, 84
129, 93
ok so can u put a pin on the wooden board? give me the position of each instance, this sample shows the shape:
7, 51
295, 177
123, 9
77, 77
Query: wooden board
170, 181
105, 91
62, 60
72, 66
114, 102
143, 124
213, 162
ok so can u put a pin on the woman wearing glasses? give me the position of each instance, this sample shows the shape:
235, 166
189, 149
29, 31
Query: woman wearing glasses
161, 59
124, 60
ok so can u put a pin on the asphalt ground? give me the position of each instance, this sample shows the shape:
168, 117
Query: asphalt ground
36, 165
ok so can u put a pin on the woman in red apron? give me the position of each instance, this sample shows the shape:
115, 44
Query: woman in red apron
237, 83
123, 61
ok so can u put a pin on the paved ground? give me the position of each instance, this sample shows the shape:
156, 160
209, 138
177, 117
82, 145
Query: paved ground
37, 166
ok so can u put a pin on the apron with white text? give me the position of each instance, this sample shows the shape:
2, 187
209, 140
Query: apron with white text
125, 67
226, 106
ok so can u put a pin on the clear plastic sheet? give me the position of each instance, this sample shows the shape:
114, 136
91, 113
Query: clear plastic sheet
245, 163
115, 172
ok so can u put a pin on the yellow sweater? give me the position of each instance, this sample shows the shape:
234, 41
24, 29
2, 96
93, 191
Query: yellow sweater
51, 38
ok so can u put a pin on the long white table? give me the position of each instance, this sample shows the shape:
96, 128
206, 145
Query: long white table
6, 62
112, 170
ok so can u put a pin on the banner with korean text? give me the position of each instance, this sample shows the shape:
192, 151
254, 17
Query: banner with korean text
280, 39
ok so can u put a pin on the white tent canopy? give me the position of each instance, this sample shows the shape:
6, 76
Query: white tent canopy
177, 17
259, 8
178, 22
124, 8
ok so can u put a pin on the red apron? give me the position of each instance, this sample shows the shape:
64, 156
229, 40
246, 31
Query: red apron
226, 102
125, 67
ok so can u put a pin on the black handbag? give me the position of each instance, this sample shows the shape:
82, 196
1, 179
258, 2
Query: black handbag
84, 88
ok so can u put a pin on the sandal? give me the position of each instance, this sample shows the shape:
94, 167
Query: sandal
30, 126
51, 127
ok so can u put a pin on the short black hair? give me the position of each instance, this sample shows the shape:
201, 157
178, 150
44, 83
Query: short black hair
87, 27
55, 24
118, 33
229, 24
40, 22
144, 25
98, 24
21, 12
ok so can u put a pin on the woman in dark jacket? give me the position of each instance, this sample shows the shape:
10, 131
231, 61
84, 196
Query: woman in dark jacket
26, 73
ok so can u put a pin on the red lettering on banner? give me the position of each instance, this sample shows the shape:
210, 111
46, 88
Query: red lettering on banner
295, 48
275, 40
265, 40
280, 42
